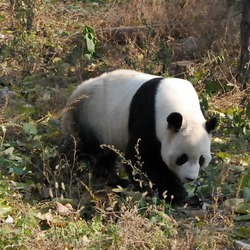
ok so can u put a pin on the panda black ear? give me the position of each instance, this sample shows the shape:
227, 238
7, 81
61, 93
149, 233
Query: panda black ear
174, 121
211, 124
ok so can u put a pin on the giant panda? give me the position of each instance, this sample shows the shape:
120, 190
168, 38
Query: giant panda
162, 116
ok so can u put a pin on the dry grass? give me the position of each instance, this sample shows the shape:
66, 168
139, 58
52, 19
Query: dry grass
202, 19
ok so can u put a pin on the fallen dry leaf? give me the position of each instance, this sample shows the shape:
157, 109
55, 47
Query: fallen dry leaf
63, 210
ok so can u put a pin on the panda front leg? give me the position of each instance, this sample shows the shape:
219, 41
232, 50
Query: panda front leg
167, 184
153, 170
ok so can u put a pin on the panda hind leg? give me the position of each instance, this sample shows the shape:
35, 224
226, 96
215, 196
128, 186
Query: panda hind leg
105, 167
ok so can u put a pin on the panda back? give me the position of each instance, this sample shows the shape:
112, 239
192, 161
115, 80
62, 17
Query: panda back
105, 111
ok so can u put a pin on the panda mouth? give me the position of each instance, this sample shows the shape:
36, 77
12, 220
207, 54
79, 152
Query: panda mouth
190, 179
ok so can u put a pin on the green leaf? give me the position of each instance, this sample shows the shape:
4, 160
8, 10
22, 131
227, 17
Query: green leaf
56, 59
118, 190
190, 188
90, 44
223, 155
246, 194
213, 86
201, 224
30, 128
238, 169
90, 38
88, 56
9, 151
243, 208
244, 180
245, 217
2, 18
18, 170
233, 203
243, 232
4, 129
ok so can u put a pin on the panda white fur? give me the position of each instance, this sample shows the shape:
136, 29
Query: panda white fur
119, 107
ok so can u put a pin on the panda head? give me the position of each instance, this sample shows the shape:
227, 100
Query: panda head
187, 147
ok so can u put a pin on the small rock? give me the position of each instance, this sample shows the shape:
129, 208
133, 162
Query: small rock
9, 220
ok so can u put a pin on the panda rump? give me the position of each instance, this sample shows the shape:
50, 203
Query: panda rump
124, 106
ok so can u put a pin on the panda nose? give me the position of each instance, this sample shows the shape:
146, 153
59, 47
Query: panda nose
190, 179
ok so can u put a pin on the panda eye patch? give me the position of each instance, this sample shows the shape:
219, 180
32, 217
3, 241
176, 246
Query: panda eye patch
201, 160
182, 160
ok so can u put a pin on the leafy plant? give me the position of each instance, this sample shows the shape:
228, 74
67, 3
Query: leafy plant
244, 185
238, 120
24, 13
91, 41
